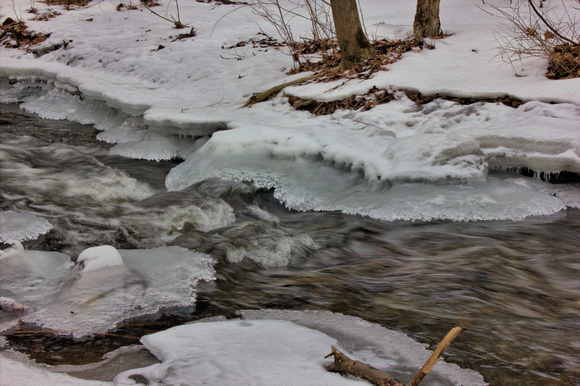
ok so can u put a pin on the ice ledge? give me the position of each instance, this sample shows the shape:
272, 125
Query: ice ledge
117, 92
122, 94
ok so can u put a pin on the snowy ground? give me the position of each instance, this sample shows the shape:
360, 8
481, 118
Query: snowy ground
158, 98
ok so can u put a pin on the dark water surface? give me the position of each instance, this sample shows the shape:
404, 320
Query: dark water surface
513, 286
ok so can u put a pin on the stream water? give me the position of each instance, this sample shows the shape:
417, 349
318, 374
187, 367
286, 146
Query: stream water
512, 285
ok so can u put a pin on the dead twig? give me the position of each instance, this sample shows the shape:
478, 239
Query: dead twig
343, 364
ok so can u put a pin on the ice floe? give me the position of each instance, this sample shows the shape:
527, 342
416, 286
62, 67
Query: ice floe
106, 287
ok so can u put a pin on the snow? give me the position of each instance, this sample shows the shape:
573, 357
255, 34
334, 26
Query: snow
100, 257
465, 64
185, 100
106, 287
21, 226
283, 347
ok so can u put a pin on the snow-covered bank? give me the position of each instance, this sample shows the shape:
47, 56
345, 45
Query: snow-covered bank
159, 98
465, 64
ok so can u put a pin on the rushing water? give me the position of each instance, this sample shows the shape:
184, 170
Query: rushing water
513, 286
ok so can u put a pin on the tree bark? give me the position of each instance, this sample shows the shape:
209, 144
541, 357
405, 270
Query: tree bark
352, 40
427, 23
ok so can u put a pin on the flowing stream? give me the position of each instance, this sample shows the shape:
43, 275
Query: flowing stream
512, 285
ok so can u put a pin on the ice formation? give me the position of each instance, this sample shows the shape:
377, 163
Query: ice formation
15, 371
251, 352
21, 226
279, 347
31, 276
107, 287
390, 351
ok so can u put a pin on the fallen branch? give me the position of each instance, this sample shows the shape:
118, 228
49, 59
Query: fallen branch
262, 96
343, 364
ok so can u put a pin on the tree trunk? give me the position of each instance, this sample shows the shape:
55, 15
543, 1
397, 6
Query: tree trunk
353, 43
427, 23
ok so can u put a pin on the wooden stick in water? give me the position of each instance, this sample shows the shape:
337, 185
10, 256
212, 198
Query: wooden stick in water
451, 335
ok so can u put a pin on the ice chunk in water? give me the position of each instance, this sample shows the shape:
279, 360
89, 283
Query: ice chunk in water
11, 305
30, 276
21, 226
107, 288
390, 351
284, 347
257, 352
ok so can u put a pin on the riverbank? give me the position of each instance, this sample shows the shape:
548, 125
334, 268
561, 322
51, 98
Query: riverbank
390, 214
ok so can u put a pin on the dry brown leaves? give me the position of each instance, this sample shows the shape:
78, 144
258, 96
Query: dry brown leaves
377, 96
564, 62
14, 34
46, 16
386, 52
367, 101
265, 42
187, 35
68, 4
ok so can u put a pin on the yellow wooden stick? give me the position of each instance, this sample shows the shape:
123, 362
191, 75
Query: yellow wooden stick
443, 345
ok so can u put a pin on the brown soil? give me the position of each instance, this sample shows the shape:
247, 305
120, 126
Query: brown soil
150, 3
15, 34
